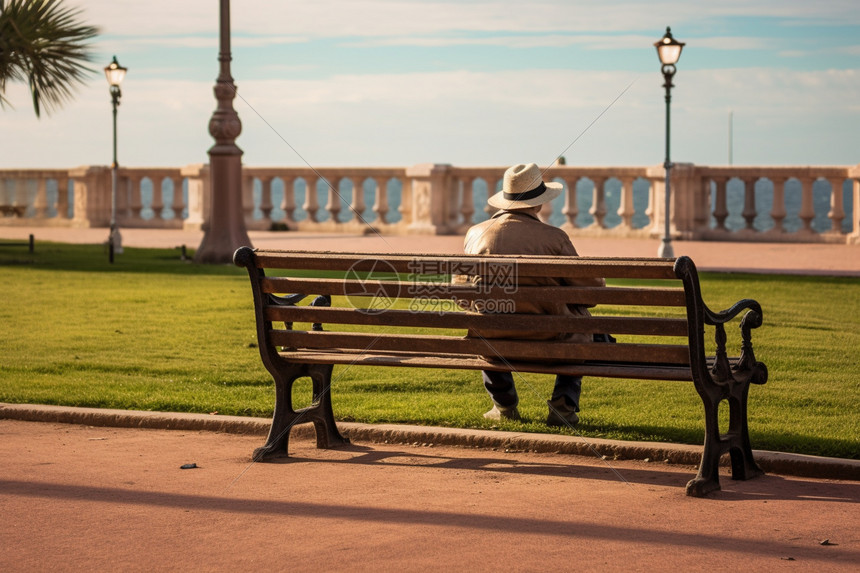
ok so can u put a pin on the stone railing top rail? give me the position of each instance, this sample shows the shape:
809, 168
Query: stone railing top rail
555, 170
33, 173
775, 171
325, 171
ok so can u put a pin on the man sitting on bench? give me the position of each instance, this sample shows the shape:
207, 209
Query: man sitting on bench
516, 230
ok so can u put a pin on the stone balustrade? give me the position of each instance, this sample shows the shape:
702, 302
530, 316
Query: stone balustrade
803, 204
35, 196
332, 203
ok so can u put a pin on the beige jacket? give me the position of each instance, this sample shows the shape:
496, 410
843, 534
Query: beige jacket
517, 233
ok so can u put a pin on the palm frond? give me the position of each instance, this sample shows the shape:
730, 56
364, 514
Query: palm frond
45, 44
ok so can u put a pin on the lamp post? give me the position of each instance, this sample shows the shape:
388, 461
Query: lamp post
669, 51
115, 74
225, 231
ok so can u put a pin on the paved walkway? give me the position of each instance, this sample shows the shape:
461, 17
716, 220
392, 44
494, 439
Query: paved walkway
788, 258
81, 497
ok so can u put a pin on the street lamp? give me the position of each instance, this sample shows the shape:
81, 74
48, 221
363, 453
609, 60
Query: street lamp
669, 51
115, 74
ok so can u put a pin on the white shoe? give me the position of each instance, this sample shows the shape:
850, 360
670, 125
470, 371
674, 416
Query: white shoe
500, 412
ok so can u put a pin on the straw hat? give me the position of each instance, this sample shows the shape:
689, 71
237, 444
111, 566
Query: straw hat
524, 187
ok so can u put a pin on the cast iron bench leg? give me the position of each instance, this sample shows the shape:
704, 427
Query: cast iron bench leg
285, 417
708, 478
320, 412
743, 463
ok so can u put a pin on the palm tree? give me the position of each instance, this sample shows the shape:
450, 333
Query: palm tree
44, 44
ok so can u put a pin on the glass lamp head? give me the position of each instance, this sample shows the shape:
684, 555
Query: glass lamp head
668, 48
115, 73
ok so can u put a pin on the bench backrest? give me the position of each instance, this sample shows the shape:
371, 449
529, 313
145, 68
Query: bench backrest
403, 303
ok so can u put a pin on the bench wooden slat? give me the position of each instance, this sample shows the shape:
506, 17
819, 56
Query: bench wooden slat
679, 373
646, 296
526, 266
651, 326
510, 349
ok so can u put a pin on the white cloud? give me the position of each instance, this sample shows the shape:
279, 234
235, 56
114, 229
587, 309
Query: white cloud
519, 41
734, 43
588, 41
465, 118
211, 42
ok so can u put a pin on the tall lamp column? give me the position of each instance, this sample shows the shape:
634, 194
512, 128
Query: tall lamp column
115, 74
225, 229
669, 51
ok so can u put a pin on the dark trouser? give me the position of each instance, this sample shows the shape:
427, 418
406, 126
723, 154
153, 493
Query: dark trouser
503, 392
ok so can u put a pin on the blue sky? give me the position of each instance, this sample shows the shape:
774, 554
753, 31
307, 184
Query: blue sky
492, 82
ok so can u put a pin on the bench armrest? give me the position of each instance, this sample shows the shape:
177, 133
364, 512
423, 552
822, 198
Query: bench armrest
713, 318
746, 362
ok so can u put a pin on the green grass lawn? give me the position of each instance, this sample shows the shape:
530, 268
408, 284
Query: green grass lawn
151, 332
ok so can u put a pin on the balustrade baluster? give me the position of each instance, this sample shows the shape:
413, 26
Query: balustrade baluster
266, 205
467, 204
405, 200
570, 209
178, 203
721, 211
6, 191
288, 204
20, 191
333, 203
749, 212
452, 202
491, 190
62, 197
626, 210
837, 211
855, 217
702, 205
136, 202
380, 200
157, 199
598, 202
311, 205
778, 212
807, 209
357, 205
40, 202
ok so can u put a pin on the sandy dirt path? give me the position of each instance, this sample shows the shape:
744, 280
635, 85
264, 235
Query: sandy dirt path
76, 497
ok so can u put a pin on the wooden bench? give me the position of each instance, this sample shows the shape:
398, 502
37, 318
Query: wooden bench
378, 309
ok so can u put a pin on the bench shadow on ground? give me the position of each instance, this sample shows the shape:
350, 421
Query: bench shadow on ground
764, 487
580, 527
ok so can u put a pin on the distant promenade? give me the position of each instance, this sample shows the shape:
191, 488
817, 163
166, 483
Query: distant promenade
785, 258
748, 204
